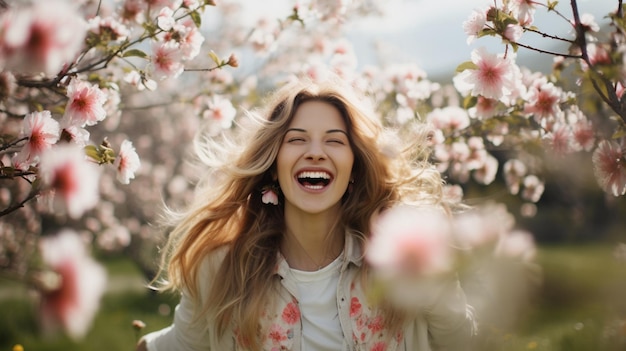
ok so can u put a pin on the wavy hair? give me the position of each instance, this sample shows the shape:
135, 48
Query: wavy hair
228, 210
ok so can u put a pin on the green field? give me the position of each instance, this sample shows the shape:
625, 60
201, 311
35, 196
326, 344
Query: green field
581, 305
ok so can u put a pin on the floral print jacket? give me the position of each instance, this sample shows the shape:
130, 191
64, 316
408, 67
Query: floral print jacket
445, 325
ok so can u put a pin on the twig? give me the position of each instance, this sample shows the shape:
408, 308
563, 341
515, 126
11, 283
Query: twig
13, 143
18, 205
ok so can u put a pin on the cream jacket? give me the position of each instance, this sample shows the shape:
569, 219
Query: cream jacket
446, 324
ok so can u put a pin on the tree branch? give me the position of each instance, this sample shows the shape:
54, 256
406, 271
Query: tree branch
18, 205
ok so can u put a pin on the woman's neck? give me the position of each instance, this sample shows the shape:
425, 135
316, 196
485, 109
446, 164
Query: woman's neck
311, 242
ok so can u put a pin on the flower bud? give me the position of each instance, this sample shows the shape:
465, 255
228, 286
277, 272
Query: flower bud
233, 61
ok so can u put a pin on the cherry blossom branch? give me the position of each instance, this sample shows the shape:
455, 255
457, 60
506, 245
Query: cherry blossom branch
548, 52
11, 144
16, 206
206, 69
11, 114
610, 98
18, 174
546, 35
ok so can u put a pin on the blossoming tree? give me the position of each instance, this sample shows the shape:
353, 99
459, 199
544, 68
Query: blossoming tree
79, 103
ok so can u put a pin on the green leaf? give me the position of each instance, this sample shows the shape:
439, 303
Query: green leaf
215, 58
552, 5
466, 65
195, 16
135, 53
92, 151
470, 101
620, 133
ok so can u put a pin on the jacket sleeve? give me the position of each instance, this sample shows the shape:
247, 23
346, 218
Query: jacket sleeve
189, 332
451, 320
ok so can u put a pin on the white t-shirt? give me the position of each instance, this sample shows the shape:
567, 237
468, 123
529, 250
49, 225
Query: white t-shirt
321, 330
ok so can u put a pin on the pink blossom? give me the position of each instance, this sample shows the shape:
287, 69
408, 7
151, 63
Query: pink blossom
599, 54
487, 173
74, 300
86, 104
269, 197
74, 134
543, 101
559, 139
411, 241
482, 227
485, 108
263, 37
108, 27
165, 19
140, 81
583, 133
451, 118
186, 35
33, 41
475, 24
609, 164
127, 162
588, 22
514, 171
133, 10
513, 33
494, 76
42, 131
533, 188
517, 244
72, 179
523, 10
166, 60
220, 111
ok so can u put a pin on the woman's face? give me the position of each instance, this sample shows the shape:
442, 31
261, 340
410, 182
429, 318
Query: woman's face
314, 163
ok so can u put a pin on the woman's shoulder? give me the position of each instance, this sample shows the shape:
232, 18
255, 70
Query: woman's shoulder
209, 267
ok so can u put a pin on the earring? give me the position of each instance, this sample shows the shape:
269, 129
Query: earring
269, 194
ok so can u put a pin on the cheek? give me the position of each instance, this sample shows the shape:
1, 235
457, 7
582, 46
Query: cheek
283, 166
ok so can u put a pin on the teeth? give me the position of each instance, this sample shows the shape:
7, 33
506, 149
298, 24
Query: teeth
320, 175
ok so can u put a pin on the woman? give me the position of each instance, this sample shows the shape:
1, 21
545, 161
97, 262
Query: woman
270, 256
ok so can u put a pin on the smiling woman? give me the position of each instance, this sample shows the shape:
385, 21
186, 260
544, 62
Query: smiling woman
270, 255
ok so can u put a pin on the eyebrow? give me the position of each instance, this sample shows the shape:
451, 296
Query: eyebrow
327, 132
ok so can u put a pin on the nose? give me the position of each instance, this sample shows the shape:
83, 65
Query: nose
315, 152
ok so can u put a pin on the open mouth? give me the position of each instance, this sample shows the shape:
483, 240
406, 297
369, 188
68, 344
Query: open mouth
314, 180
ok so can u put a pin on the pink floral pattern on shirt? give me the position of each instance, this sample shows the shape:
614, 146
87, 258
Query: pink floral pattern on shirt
369, 332
279, 327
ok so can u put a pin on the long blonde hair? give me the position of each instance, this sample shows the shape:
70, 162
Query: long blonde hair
228, 209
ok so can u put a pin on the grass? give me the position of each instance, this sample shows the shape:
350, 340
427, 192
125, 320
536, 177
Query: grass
581, 305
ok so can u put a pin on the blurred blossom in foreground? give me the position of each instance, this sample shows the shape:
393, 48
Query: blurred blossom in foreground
71, 292
32, 40
71, 179
410, 251
411, 240
415, 251
496, 264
